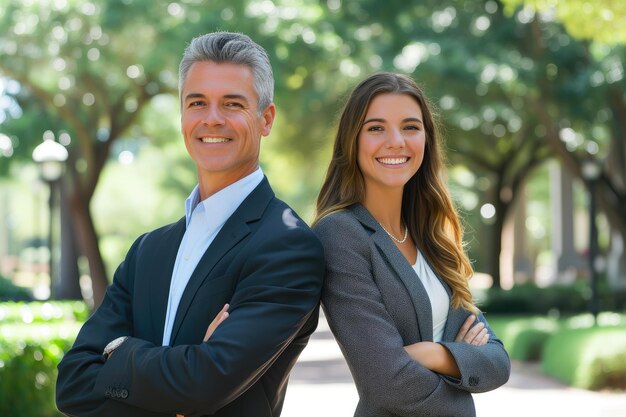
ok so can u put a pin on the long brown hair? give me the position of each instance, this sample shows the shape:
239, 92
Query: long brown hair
427, 208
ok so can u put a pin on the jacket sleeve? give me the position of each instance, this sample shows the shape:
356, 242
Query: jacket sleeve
279, 288
483, 368
388, 380
75, 390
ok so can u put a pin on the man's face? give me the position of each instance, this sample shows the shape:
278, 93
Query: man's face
221, 123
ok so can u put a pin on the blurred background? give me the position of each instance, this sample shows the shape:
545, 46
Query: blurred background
531, 96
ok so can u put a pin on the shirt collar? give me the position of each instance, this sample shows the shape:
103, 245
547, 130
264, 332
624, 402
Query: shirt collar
221, 205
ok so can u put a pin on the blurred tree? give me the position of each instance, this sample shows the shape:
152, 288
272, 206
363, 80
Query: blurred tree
510, 87
91, 67
581, 89
601, 20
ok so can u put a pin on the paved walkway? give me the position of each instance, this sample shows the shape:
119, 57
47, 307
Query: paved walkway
321, 386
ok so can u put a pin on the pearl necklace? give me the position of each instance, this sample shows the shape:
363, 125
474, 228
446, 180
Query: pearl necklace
406, 233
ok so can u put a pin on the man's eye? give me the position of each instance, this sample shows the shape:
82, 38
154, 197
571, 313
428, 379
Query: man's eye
234, 104
195, 103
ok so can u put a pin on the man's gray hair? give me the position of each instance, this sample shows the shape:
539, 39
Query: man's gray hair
234, 48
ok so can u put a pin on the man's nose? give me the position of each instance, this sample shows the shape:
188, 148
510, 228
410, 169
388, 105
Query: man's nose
213, 116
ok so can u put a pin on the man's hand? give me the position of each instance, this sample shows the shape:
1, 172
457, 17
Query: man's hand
221, 316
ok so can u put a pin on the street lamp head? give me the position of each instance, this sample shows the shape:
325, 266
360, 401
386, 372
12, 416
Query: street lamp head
50, 156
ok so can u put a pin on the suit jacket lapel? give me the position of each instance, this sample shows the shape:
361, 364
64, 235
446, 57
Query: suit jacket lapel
161, 276
403, 270
233, 231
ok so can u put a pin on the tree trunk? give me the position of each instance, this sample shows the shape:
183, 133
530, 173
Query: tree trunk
496, 243
88, 238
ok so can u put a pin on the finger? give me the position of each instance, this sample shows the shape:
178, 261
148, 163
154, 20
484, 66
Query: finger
221, 316
485, 339
464, 328
478, 340
473, 332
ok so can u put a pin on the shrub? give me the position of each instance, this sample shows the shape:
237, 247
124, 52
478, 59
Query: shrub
590, 358
33, 339
11, 292
523, 337
29, 355
43, 311
530, 299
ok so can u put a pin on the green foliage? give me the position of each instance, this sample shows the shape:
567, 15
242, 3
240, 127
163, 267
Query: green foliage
11, 292
33, 339
523, 337
43, 312
600, 20
570, 349
590, 358
530, 299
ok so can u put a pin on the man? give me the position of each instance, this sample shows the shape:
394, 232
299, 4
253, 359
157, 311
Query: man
149, 350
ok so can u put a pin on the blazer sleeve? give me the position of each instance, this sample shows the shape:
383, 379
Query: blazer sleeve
279, 288
483, 368
75, 390
388, 380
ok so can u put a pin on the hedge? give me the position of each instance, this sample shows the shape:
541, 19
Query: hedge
33, 339
524, 337
591, 358
11, 292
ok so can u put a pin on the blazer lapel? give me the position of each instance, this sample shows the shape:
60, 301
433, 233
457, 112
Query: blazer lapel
234, 230
404, 271
161, 277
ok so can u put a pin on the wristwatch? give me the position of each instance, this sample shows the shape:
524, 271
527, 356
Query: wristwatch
114, 344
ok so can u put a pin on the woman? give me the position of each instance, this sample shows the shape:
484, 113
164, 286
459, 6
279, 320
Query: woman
396, 294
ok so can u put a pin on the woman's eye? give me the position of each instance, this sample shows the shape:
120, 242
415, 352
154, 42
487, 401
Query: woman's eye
412, 127
375, 129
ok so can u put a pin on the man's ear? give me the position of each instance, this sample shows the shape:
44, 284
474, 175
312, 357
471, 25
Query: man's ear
268, 115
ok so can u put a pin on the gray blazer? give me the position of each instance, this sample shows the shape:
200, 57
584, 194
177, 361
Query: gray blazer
375, 305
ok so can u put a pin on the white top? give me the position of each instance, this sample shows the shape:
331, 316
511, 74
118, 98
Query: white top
439, 299
204, 221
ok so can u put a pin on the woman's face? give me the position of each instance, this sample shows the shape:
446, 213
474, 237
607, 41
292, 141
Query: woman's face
391, 141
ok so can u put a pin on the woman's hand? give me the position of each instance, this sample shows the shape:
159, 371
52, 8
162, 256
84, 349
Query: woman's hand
221, 316
475, 335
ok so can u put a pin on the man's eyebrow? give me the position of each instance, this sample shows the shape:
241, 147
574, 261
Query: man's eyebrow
194, 95
236, 97
227, 96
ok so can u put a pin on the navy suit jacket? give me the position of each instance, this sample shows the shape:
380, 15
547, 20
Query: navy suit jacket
265, 262
375, 305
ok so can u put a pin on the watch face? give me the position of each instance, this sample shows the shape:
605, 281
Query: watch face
114, 345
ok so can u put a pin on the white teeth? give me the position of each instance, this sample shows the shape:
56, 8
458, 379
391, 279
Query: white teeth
393, 161
214, 140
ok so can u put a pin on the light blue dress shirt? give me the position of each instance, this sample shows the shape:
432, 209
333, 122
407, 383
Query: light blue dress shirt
204, 221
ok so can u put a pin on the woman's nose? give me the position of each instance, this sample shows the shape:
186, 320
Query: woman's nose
395, 139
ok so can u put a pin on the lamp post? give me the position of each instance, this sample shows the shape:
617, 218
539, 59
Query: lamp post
591, 171
50, 156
